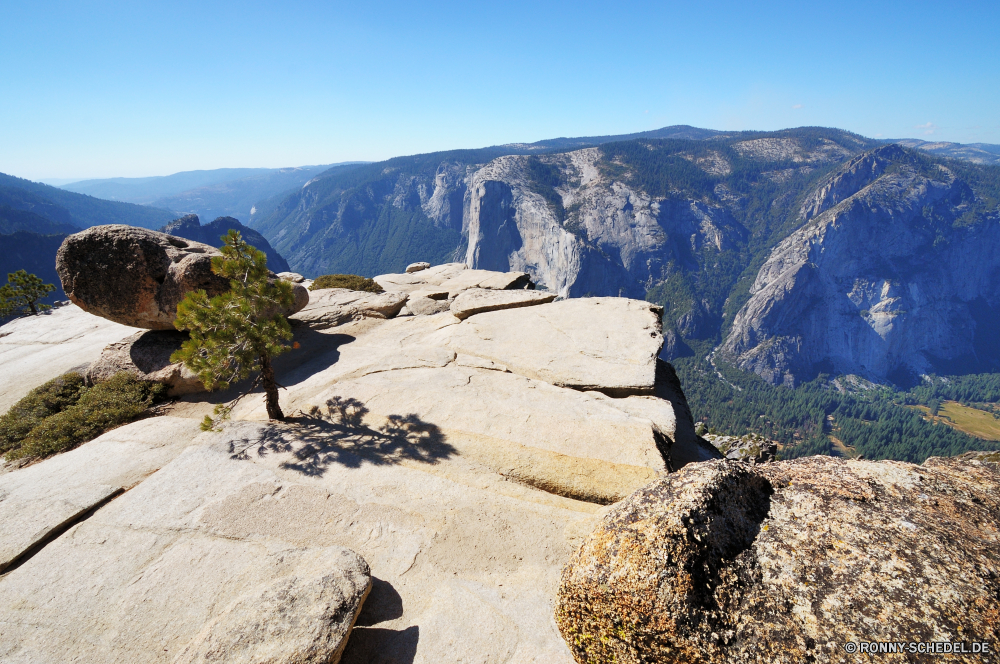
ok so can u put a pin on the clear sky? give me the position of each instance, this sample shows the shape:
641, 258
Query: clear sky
104, 89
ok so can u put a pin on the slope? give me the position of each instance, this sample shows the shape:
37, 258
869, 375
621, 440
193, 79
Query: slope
85, 211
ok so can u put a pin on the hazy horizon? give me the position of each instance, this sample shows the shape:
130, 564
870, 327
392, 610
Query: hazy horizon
126, 90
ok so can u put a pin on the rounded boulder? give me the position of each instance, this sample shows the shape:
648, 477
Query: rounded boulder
136, 276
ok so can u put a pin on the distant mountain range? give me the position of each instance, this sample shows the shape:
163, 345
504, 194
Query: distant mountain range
224, 192
789, 258
977, 153
73, 209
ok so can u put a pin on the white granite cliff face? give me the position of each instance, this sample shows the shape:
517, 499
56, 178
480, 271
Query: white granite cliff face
615, 239
884, 282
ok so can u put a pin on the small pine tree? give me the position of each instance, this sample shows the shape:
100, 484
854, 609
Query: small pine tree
238, 332
23, 291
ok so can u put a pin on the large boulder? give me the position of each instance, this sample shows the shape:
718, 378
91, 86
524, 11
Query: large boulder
147, 356
788, 562
136, 276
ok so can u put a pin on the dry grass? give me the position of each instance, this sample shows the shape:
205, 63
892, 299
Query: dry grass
972, 421
351, 281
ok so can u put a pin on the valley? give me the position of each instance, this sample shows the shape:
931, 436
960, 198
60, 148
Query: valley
793, 257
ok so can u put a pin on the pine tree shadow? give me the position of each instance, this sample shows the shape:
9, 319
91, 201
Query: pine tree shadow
337, 434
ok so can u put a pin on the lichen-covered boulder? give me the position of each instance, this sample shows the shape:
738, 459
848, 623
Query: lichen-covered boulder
751, 447
137, 277
725, 561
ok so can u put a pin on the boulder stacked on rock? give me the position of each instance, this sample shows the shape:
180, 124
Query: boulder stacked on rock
330, 307
453, 278
480, 300
137, 277
147, 356
788, 562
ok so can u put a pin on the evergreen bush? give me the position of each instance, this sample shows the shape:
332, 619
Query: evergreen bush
40, 403
82, 416
351, 281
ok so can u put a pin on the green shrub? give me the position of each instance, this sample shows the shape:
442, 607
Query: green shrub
40, 403
118, 400
352, 281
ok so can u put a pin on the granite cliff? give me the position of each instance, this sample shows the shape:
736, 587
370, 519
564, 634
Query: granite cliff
894, 273
796, 252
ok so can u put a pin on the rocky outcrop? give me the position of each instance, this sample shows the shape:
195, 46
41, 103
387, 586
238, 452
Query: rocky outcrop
886, 282
751, 447
462, 460
147, 356
136, 277
788, 562
329, 307
189, 227
480, 300
531, 378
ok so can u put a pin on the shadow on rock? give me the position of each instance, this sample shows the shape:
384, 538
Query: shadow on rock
339, 435
383, 603
376, 645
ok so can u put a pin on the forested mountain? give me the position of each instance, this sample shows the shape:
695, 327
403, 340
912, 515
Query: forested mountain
224, 192
191, 228
849, 234
14, 219
67, 207
35, 253
977, 153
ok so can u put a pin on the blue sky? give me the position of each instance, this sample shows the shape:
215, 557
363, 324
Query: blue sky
104, 89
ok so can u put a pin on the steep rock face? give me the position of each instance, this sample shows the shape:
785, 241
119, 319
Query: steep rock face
613, 239
885, 282
510, 227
